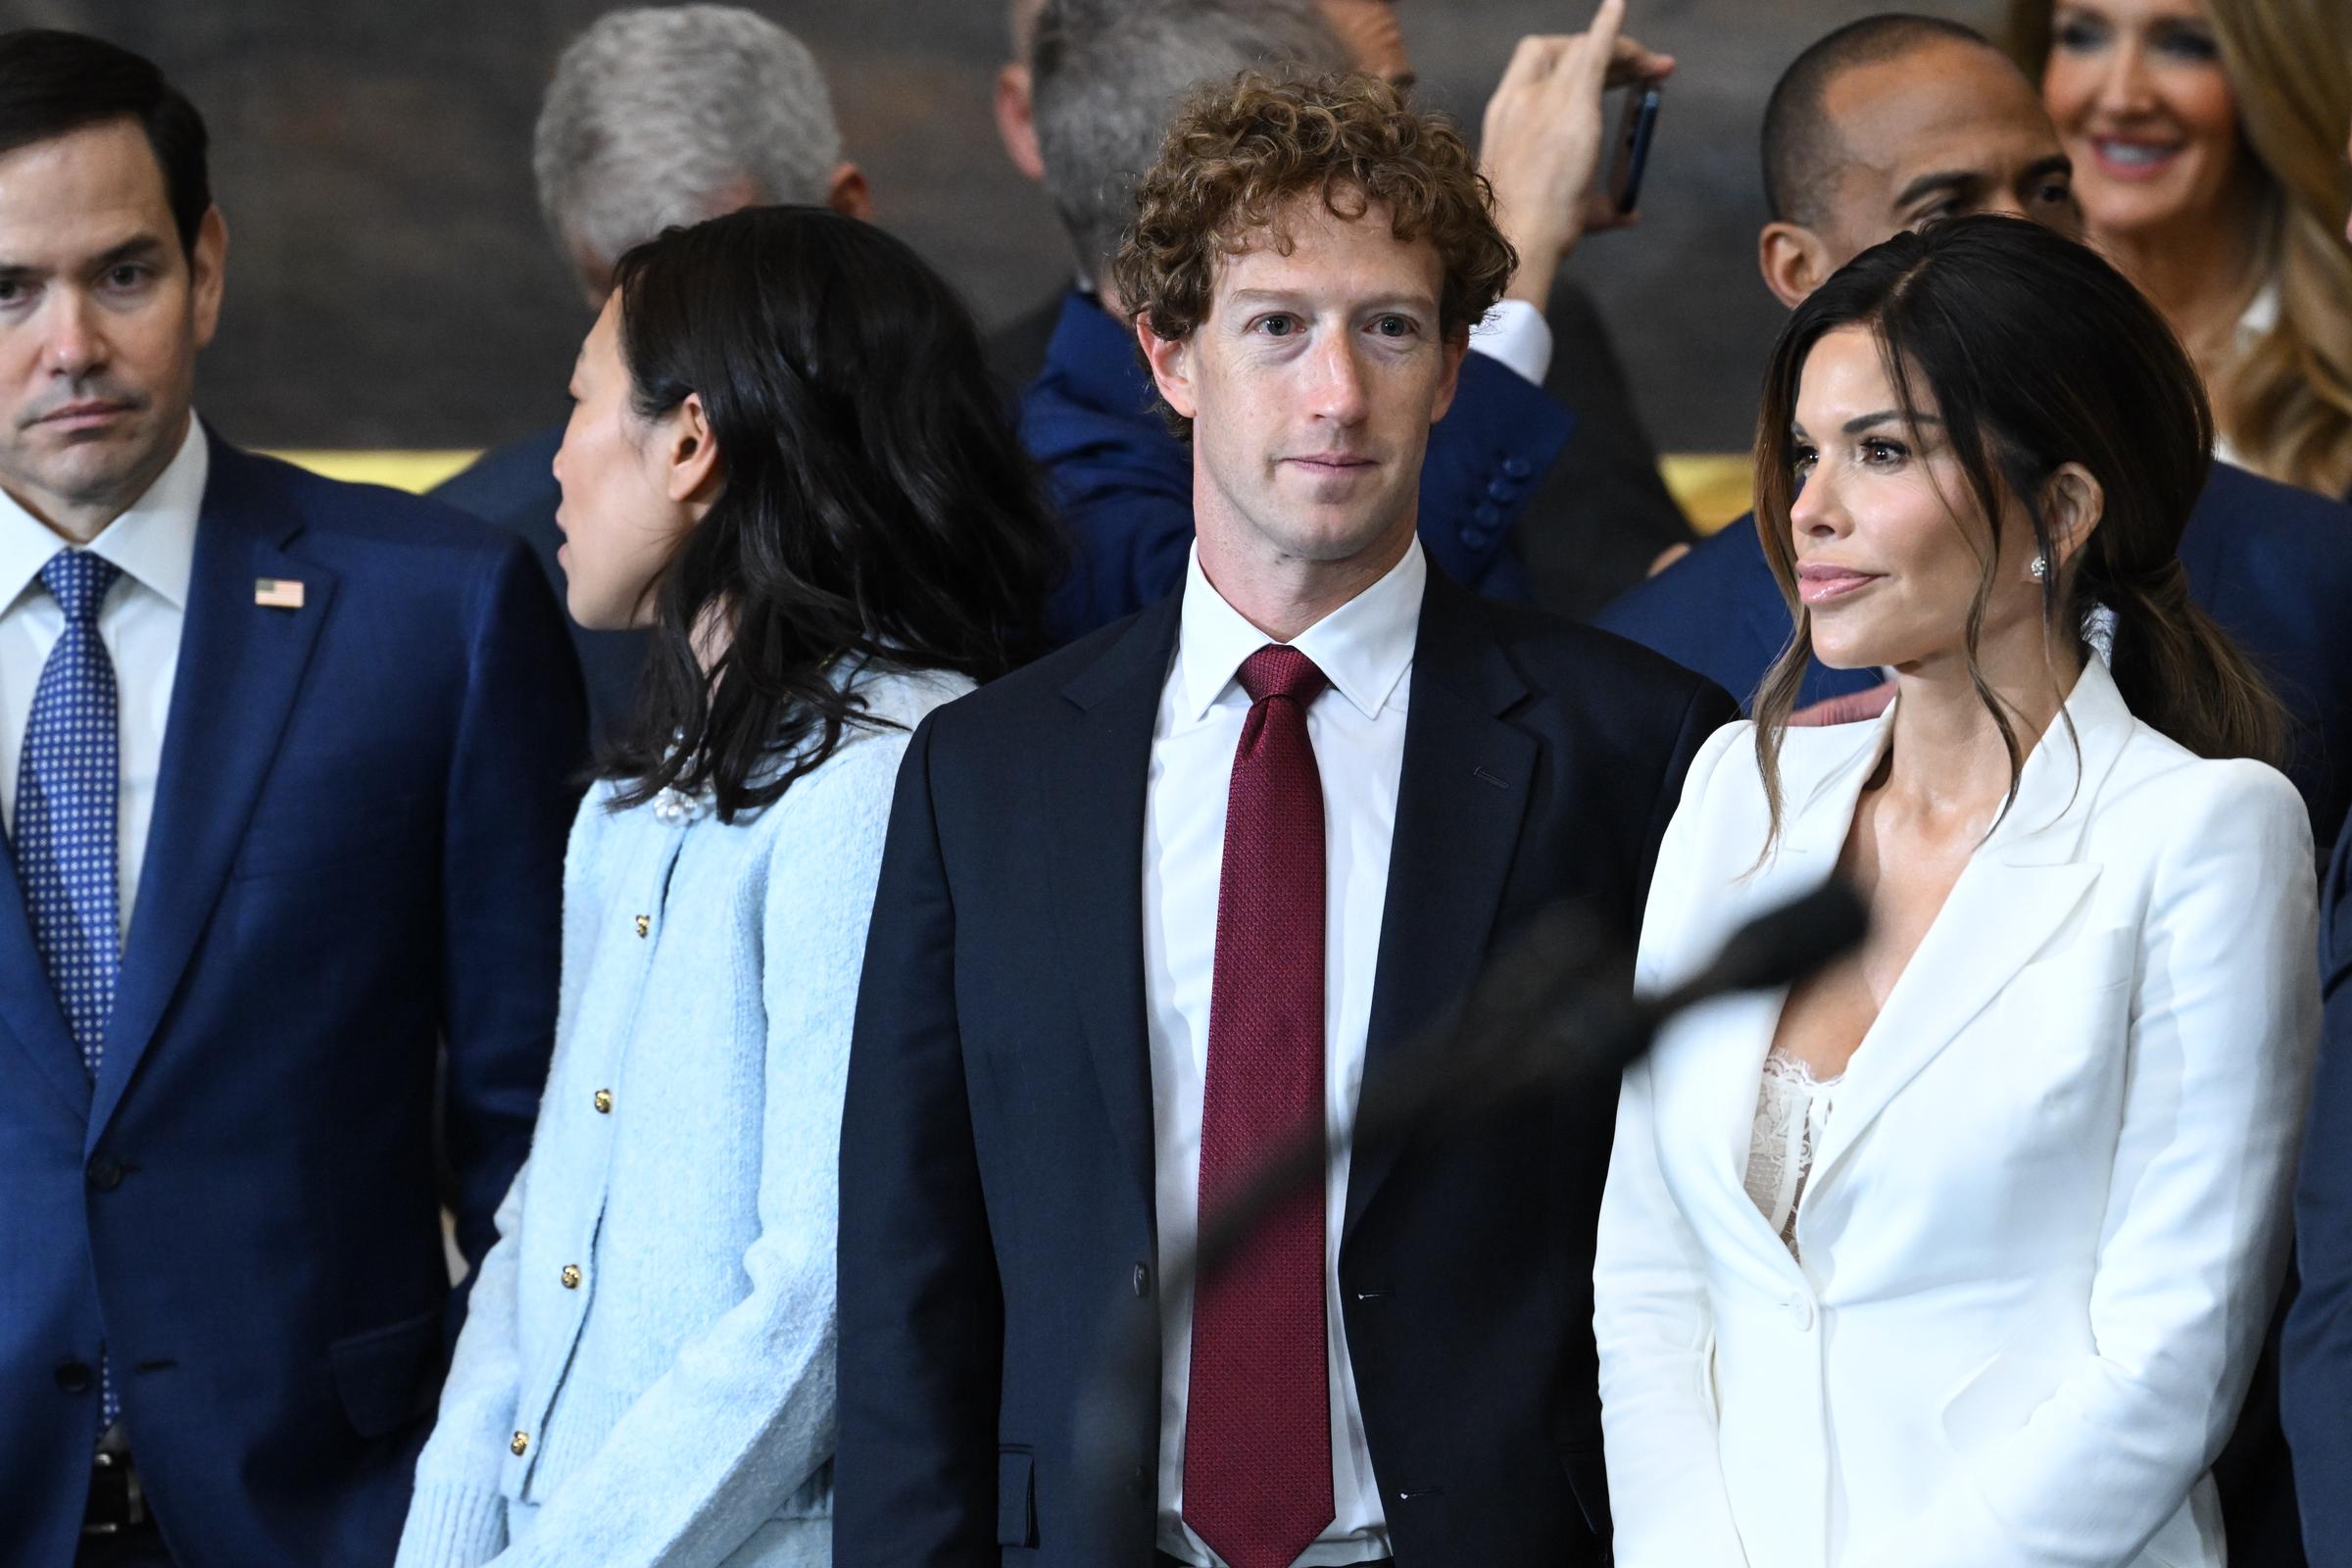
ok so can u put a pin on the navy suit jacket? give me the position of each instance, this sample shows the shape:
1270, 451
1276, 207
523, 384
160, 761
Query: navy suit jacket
997, 1147
514, 487
1124, 484
356, 857
2316, 1382
2272, 563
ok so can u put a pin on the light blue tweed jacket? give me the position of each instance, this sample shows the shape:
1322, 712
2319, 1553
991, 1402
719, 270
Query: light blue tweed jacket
646, 1374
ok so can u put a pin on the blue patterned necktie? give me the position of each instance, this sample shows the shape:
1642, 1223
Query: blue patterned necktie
65, 822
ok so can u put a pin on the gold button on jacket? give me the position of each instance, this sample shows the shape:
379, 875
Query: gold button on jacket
571, 1276
522, 1440
604, 1101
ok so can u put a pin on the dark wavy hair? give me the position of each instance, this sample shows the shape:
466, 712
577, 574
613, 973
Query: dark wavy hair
874, 505
2035, 352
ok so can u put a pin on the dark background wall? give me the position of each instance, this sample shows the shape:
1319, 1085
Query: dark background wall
390, 283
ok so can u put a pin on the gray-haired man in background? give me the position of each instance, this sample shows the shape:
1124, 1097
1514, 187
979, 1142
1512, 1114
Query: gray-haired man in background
656, 117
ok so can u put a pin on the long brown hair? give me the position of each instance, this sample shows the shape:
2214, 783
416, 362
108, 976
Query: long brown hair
2035, 352
2285, 401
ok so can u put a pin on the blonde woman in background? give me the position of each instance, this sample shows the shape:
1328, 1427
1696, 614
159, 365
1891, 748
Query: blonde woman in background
2207, 137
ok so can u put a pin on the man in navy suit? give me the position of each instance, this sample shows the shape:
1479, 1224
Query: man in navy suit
1104, 79
286, 767
2315, 1395
655, 116
1171, 895
1895, 121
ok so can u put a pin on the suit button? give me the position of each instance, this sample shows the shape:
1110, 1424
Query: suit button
1142, 1280
604, 1101
571, 1276
645, 925
522, 1442
1800, 1313
1500, 490
74, 1376
1488, 518
1516, 468
105, 1174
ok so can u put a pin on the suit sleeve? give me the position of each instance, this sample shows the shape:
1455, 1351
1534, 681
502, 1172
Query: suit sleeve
1651, 1321
922, 1316
2315, 1384
1484, 458
2223, 1022
520, 737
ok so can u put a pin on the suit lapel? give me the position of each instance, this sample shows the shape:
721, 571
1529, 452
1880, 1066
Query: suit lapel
240, 666
1460, 800
2014, 895
1092, 791
28, 1004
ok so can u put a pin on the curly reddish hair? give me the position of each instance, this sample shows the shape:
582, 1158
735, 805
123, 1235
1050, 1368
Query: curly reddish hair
1240, 150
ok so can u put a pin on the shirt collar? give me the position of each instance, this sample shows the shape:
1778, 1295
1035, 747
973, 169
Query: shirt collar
1364, 647
152, 541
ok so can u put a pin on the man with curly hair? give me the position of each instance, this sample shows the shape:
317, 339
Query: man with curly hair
1175, 898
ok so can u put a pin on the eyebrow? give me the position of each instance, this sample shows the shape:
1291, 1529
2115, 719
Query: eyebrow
1864, 421
1378, 302
1957, 180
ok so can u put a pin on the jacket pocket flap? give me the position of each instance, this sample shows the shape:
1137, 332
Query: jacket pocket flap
386, 1375
1016, 1499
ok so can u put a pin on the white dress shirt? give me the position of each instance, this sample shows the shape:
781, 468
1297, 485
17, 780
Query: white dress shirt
1515, 333
1356, 727
154, 542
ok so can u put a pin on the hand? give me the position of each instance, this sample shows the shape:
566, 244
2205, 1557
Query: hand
1542, 143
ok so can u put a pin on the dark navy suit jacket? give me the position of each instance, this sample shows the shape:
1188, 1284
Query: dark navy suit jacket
998, 1148
2316, 1382
1124, 484
354, 858
514, 487
2272, 563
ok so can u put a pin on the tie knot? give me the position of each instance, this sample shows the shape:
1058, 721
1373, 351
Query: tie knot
1275, 670
79, 580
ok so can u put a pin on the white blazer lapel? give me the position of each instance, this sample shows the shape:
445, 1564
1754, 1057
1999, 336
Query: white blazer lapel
2013, 896
1823, 773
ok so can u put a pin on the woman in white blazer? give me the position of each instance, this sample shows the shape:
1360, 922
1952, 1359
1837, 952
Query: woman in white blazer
1961, 1251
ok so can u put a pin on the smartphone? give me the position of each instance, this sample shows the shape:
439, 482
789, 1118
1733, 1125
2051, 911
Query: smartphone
1634, 135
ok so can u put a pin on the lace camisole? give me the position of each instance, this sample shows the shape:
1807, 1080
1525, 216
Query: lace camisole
1792, 1106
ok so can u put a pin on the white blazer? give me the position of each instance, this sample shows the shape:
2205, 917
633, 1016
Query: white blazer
2047, 1215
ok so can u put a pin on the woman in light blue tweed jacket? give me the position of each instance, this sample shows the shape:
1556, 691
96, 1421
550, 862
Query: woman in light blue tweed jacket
785, 457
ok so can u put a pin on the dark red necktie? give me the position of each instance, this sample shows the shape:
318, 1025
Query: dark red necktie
1257, 1414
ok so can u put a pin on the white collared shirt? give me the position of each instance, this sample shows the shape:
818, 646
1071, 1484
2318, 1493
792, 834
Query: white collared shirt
1356, 727
154, 542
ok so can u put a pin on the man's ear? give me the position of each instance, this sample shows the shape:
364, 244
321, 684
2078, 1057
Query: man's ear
1793, 260
1454, 346
208, 263
1170, 359
848, 194
1016, 124
688, 452
2073, 501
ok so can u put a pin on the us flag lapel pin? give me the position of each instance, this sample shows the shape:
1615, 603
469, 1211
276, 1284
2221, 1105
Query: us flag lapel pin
277, 592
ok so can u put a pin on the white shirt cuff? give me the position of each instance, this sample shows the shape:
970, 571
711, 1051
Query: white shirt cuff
1516, 333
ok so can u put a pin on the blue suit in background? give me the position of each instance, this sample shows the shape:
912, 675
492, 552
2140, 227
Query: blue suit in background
1124, 484
514, 487
355, 859
2315, 1383
2272, 563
